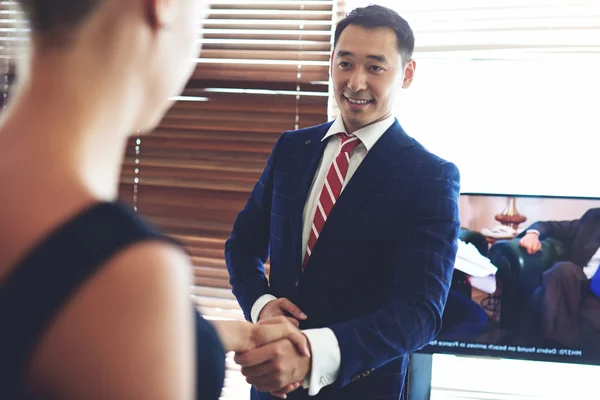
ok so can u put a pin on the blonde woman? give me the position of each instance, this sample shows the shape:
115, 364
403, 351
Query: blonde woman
94, 303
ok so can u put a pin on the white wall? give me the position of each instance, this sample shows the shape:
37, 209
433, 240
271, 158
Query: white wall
512, 127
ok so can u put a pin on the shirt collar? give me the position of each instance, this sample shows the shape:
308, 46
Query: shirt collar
369, 135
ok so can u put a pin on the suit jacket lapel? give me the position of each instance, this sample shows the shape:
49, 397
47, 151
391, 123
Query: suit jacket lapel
384, 158
309, 149
591, 245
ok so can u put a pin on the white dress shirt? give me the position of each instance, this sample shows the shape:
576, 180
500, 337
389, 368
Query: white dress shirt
590, 269
326, 356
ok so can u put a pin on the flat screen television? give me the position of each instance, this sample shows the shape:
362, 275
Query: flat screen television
524, 309
508, 302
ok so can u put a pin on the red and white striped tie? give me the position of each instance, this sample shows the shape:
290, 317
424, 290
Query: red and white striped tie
331, 189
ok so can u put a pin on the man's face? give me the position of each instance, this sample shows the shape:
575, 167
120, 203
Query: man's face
366, 69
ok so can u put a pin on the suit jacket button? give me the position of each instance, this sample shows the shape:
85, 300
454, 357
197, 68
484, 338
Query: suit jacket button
297, 282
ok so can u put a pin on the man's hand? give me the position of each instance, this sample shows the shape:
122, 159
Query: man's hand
531, 243
278, 367
282, 307
276, 329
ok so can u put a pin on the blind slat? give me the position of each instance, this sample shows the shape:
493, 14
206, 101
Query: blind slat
241, 23
254, 45
293, 55
310, 5
283, 15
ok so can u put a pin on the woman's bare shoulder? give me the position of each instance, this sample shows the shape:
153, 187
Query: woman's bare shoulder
127, 332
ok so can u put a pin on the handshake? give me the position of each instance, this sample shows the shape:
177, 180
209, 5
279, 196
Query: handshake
274, 354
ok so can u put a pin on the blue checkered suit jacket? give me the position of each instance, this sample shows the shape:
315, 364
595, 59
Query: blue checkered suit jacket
380, 272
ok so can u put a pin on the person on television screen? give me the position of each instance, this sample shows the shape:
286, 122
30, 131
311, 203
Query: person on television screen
571, 284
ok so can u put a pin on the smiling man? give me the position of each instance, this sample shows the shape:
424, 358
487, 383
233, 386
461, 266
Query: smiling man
360, 223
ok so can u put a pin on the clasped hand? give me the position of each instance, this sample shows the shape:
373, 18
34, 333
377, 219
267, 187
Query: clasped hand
274, 354
278, 367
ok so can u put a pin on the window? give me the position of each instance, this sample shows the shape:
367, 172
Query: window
503, 87
263, 70
508, 83
13, 37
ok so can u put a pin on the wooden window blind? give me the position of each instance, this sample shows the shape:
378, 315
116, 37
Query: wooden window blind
499, 29
13, 37
264, 69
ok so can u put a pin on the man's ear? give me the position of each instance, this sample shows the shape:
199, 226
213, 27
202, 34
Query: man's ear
160, 13
409, 74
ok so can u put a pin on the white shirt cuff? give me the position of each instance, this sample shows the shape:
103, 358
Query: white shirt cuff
326, 359
533, 231
259, 304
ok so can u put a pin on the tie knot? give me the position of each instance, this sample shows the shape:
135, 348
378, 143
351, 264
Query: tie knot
349, 142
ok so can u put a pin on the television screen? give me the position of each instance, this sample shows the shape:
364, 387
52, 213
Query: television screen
526, 283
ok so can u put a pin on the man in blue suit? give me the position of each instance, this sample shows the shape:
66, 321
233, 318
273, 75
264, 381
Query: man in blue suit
364, 273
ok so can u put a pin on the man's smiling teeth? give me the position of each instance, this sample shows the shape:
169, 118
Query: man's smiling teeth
353, 101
